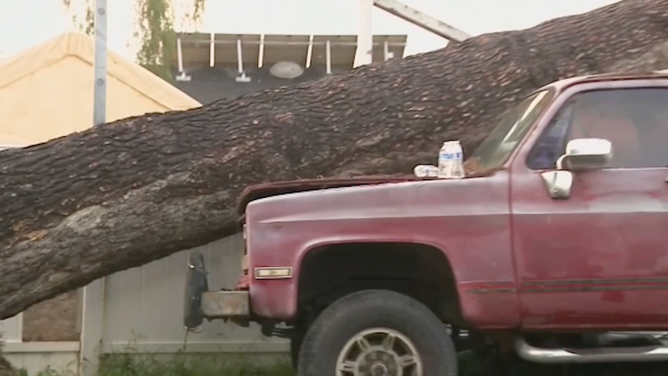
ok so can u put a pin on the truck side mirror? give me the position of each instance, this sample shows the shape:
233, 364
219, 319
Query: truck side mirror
586, 154
581, 154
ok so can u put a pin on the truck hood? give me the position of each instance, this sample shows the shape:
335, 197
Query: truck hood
259, 191
376, 198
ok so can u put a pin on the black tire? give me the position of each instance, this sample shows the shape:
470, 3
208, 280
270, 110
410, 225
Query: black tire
368, 309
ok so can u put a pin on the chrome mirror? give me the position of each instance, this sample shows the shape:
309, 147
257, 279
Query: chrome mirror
558, 183
586, 154
581, 154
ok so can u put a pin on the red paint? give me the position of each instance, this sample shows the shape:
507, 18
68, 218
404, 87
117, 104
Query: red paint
436, 213
612, 229
596, 260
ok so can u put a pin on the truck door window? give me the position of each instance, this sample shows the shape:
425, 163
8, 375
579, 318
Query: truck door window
635, 121
511, 128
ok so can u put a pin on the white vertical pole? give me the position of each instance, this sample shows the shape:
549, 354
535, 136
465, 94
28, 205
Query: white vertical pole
386, 51
179, 54
100, 91
260, 52
309, 51
240, 57
364, 55
212, 50
328, 56
92, 321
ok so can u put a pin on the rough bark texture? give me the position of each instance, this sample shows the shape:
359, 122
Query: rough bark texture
120, 195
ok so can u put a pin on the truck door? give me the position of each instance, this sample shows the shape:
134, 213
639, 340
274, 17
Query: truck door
598, 258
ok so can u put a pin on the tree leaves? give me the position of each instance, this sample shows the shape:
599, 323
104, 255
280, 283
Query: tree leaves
155, 20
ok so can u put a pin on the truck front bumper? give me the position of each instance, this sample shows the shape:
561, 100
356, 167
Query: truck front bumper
200, 303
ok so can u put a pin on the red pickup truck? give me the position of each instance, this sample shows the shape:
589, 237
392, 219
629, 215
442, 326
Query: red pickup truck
556, 243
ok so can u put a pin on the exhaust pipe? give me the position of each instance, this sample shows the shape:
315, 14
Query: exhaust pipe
591, 355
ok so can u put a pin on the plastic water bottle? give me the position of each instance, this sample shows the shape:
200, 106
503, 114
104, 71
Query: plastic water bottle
451, 161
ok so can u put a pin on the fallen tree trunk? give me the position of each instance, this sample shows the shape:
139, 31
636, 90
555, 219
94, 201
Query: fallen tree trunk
120, 195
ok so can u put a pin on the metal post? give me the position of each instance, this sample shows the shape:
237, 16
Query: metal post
260, 52
309, 51
387, 55
212, 50
240, 58
93, 294
100, 90
240, 64
328, 56
364, 53
179, 54
182, 76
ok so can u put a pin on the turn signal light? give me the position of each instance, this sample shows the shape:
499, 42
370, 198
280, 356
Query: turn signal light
273, 273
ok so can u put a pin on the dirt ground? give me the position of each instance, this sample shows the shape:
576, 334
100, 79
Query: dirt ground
53, 320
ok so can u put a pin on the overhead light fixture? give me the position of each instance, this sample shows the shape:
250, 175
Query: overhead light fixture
286, 69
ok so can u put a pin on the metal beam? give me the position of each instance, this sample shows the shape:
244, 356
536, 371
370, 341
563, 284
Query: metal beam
267, 43
421, 19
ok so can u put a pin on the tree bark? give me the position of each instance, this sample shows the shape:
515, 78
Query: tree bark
120, 195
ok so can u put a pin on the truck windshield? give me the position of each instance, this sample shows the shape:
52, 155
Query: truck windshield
511, 128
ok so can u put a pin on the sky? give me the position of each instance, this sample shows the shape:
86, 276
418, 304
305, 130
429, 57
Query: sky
25, 23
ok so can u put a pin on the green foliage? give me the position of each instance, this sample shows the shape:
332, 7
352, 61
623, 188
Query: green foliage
155, 32
74, 7
155, 19
89, 22
132, 365
48, 371
483, 363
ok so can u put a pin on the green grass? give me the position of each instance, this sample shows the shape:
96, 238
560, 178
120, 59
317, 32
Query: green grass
132, 365
129, 365
470, 364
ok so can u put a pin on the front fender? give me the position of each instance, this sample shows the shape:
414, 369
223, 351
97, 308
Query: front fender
467, 219
278, 298
485, 304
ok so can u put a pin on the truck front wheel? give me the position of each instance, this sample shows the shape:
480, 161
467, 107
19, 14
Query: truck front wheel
377, 333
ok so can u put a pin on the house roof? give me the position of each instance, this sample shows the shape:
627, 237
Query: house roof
47, 91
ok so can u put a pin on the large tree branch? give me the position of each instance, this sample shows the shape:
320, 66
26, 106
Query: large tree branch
120, 195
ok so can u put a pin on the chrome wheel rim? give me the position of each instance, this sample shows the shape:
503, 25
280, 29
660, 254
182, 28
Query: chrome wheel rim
379, 352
